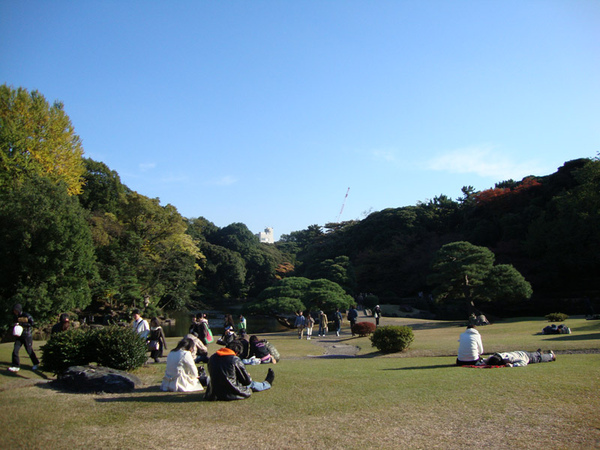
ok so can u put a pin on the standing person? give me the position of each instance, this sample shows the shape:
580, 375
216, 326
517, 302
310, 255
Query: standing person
199, 328
520, 358
470, 347
377, 314
23, 325
300, 323
229, 322
352, 316
323, 322
62, 325
310, 323
241, 326
229, 379
337, 320
140, 326
181, 374
156, 340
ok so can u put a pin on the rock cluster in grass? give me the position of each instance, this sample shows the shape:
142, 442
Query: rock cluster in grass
97, 379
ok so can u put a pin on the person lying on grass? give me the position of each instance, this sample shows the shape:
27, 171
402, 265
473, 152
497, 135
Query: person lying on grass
520, 358
229, 379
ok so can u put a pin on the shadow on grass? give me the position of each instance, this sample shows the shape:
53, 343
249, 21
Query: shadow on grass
137, 395
572, 337
435, 366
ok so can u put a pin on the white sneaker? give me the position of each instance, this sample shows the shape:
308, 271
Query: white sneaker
14, 369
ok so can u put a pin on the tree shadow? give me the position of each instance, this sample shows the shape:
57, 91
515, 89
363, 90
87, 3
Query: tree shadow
163, 397
572, 337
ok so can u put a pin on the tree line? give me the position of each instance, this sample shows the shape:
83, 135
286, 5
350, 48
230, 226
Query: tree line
73, 236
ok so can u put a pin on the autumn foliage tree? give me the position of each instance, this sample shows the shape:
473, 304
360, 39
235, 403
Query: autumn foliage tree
37, 138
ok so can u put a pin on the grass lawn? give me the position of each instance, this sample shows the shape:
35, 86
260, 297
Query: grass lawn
416, 399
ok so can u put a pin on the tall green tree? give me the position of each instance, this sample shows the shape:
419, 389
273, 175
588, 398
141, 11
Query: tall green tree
463, 272
46, 250
37, 139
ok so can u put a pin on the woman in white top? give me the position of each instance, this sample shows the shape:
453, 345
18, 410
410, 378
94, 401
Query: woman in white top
181, 374
470, 347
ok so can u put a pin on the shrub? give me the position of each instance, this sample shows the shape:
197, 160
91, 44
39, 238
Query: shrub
120, 348
363, 328
557, 317
73, 347
115, 347
392, 339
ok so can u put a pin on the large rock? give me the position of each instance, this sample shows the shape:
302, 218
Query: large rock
98, 379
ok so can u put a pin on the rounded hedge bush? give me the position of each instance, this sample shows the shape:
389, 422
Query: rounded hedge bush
557, 317
73, 347
120, 348
392, 338
363, 328
115, 347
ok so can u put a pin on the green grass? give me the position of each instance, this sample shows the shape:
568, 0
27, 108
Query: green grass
417, 399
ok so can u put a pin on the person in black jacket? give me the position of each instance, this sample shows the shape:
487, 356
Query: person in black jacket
229, 379
62, 325
25, 321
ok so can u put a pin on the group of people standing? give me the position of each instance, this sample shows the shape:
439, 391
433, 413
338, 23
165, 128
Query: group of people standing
470, 353
305, 323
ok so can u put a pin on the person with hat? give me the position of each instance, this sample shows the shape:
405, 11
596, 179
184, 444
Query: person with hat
23, 326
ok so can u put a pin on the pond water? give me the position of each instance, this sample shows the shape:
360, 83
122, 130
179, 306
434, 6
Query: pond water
183, 320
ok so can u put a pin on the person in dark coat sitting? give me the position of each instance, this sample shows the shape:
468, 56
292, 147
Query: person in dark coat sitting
229, 379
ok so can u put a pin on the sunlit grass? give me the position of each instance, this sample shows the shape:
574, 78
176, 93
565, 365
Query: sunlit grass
369, 401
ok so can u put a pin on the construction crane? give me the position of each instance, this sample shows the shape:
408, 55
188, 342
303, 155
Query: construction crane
343, 204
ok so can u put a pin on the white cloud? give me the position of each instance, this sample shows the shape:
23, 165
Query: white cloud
486, 161
227, 180
144, 167
174, 179
383, 155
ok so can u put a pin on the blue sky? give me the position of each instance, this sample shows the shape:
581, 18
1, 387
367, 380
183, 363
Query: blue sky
266, 112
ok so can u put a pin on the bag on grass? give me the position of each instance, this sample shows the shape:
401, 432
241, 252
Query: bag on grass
273, 351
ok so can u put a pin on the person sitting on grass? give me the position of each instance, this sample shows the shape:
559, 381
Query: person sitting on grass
520, 358
181, 374
470, 347
229, 379
259, 350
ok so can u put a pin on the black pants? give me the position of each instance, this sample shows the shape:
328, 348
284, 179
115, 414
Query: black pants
27, 341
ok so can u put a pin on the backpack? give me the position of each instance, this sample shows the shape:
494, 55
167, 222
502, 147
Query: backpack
273, 351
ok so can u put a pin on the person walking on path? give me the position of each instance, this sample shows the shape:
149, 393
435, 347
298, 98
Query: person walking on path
22, 328
323, 322
300, 323
310, 323
156, 340
352, 316
337, 320
377, 315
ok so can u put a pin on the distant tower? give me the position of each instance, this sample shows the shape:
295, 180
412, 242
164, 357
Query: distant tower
267, 236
